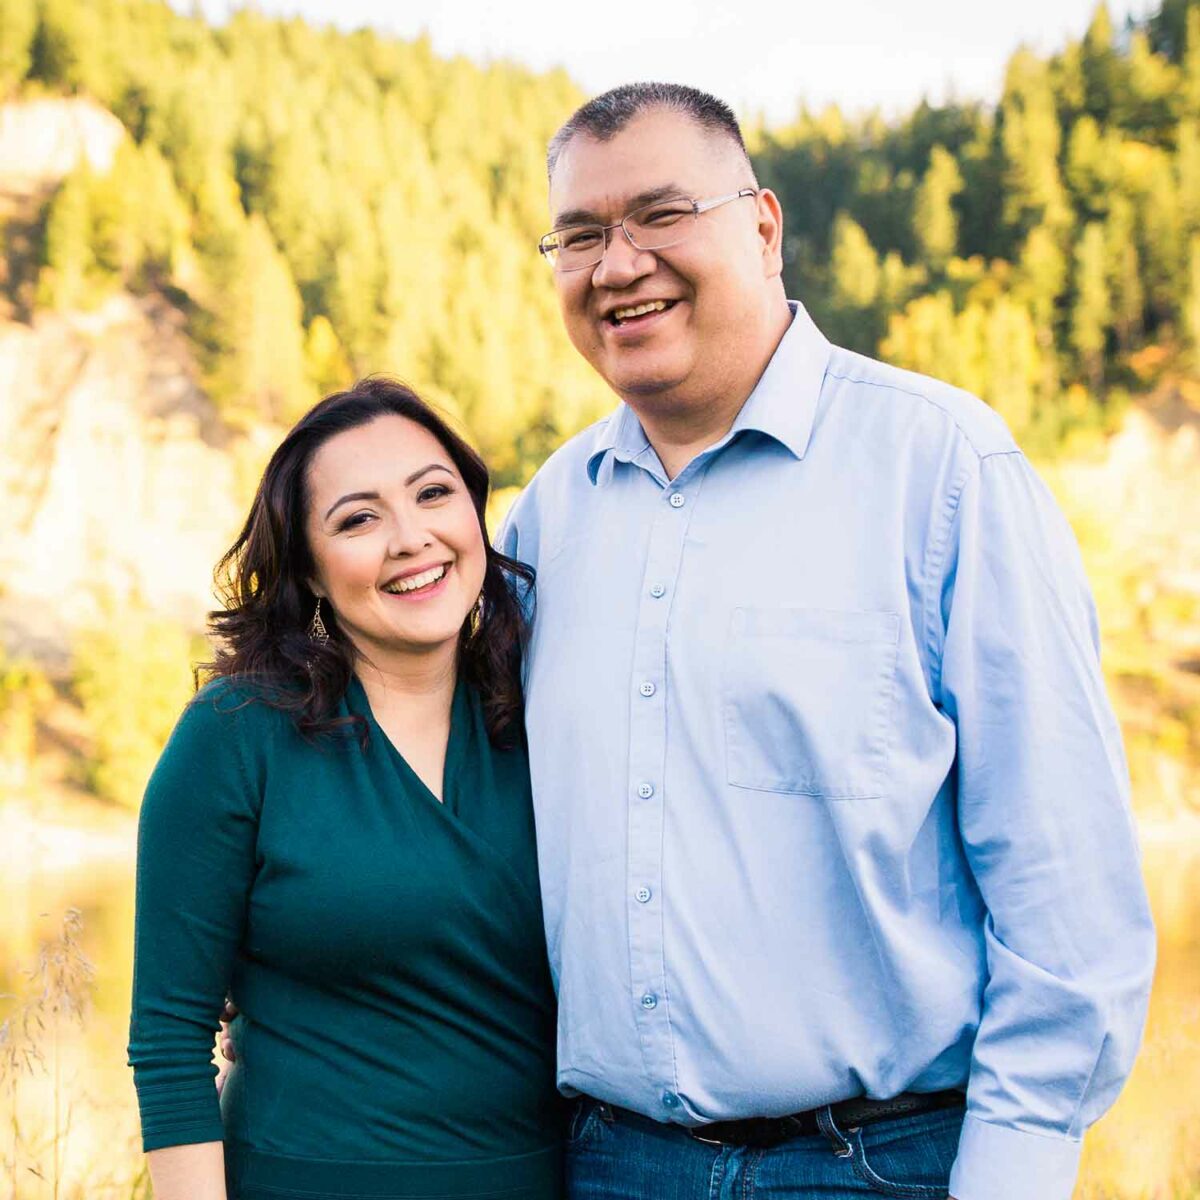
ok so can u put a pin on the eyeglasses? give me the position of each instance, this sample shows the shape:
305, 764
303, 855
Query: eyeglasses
652, 227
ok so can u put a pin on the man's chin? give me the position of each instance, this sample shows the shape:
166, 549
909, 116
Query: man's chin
647, 386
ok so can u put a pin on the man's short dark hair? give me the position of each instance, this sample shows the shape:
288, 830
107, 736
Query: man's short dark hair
607, 114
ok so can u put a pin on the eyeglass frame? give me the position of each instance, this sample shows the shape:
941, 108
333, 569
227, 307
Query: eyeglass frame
698, 207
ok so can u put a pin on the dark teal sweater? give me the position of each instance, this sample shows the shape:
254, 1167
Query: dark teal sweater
386, 952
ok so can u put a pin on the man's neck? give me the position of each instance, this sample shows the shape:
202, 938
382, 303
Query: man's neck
679, 430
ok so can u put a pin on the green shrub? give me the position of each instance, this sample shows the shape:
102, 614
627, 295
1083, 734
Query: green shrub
132, 678
25, 693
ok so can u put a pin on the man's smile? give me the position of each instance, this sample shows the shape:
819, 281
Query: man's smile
627, 319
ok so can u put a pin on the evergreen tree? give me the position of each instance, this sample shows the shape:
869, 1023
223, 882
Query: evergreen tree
1167, 28
257, 369
1092, 310
324, 360
1189, 92
1039, 282
67, 47
1123, 272
68, 256
854, 265
1187, 165
1092, 167
934, 222
1149, 177
18, 24
1031, 137
1014, 371
375, 208
1102, 67
1148, 104
1191, 307
855, 283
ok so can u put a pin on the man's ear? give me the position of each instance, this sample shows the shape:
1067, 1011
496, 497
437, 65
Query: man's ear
770, 230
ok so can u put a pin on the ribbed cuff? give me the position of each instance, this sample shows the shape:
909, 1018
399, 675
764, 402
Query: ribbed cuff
996, 1162
179, 1114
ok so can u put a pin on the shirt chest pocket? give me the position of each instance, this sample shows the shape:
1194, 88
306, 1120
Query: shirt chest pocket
807, 701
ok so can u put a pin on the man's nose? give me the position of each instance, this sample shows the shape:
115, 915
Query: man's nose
622, 263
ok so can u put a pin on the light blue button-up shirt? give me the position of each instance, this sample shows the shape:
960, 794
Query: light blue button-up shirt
830, 799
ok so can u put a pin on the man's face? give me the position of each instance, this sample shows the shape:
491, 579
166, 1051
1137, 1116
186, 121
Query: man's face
718, 284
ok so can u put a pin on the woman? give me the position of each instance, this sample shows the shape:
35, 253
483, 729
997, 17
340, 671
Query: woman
339, 836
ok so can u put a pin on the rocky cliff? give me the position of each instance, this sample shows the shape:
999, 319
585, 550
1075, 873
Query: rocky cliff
117, 479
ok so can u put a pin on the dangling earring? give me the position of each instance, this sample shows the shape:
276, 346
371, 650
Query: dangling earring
316, 627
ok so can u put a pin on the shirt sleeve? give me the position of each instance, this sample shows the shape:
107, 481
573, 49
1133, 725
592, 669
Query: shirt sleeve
509, 542
508, 537
1045, 820
196, 858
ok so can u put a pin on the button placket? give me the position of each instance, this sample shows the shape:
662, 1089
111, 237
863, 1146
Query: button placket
647, 761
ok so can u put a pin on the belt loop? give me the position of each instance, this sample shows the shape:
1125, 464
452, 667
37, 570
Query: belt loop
826, 1124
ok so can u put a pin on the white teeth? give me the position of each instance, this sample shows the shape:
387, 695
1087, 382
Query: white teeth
623, 314
416, 581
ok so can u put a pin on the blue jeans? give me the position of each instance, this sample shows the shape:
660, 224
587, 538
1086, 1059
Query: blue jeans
906, 1157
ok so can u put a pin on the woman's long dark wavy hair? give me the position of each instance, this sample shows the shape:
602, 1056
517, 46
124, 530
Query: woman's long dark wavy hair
262, 632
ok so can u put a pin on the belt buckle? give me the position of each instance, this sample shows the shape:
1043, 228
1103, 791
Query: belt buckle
694, 1132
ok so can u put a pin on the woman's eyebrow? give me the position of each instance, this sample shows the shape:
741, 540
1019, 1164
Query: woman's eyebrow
425, 471
346, 499
349, 496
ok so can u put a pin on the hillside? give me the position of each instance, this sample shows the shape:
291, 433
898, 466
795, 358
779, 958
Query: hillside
204, 227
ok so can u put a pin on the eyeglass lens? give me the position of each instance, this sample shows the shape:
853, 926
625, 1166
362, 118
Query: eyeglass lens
653, 227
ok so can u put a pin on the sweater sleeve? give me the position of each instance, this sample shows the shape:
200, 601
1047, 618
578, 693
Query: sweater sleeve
195, 865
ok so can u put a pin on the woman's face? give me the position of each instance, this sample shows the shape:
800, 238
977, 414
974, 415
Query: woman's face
396, 543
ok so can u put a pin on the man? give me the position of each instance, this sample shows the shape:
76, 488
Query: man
832, 809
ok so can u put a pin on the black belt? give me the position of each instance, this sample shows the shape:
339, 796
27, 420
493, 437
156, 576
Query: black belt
764, 1132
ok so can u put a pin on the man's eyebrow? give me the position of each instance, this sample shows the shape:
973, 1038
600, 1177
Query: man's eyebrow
583, 216
352, 496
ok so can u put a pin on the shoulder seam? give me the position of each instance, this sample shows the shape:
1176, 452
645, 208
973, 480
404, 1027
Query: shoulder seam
239, 744
891, 387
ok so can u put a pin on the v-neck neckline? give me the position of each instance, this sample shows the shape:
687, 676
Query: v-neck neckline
356, 698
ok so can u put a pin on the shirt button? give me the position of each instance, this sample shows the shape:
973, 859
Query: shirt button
670, 1100
646, 790
677, 500
642, 895
647, 688
658, 591
649, 1001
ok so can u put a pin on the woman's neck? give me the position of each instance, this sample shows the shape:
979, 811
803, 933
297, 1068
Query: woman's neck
425, 683
411, 703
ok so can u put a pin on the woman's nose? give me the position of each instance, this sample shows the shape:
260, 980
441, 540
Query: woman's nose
408, 537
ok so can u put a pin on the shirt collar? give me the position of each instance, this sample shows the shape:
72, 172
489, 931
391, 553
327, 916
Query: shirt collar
782, 405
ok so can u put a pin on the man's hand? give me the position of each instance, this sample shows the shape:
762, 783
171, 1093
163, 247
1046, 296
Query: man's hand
226, 1042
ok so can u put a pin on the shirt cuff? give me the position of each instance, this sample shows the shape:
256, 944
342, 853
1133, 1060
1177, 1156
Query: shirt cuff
997, 1162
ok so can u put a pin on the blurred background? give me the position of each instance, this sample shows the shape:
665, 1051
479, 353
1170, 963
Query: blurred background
208, 218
